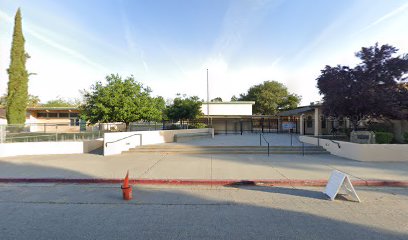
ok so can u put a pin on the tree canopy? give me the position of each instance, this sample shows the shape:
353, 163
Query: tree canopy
374, 88
121, 100
17, 94
270, 97
184, 108
59, 102
33, 101
217, 99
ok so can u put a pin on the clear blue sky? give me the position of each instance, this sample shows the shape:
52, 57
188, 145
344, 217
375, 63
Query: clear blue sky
168, 44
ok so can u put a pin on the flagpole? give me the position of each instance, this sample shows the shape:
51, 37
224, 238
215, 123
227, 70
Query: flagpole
208, 102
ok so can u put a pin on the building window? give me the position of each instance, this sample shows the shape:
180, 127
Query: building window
52, 115
74, 122
323, 119
309, 122
73, 115
63, 115
41, 115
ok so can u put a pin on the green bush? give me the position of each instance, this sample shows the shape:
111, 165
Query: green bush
173, 127
384, 137
197, 125
406, 137
379, 127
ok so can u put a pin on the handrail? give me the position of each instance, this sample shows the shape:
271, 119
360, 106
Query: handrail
260, 141
140, 135
338, 144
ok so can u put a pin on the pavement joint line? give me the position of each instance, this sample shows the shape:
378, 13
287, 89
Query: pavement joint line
151, 167
328, 165
208, 182
279, 172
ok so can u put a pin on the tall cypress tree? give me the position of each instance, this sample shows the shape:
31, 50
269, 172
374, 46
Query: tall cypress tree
17, 95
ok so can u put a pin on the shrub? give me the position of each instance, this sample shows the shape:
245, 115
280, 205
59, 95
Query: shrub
384, 137
379, 127
406, 137
173, 127
197, 125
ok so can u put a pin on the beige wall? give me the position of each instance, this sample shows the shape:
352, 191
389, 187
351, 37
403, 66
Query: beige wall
399, 128
41, 148
362, 152
227, 109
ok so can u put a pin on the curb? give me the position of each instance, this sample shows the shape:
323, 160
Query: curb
219, 182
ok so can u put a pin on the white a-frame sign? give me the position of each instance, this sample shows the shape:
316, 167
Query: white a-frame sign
340, 183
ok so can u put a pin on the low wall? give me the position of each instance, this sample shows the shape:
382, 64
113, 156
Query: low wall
45, 148
117, 142
362, 152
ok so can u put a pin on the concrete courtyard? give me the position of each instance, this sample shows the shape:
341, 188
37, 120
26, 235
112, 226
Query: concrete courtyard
163, 165
96, 211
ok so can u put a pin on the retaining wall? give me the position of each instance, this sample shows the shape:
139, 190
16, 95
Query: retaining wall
362, 152
43, 148
117, 142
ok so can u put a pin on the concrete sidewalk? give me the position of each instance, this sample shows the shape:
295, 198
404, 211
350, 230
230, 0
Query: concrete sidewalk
162, 165
196, 167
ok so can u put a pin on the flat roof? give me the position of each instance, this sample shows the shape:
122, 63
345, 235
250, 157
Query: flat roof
52, 108
233, 102
296, 111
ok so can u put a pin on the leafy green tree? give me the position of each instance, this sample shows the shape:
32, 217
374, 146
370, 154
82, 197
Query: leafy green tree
270, 97
184, 108
371, 89
234, 98
17, 95
59, 102
3, 100
217, 99
33, 101
120, 100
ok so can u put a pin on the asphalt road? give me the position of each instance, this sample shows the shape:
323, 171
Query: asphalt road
48, 211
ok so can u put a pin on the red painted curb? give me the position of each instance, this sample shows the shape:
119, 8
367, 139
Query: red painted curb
216, 182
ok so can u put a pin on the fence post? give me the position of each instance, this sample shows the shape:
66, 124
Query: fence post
2, 133
260, 140
268, 149
291, 141
303, 148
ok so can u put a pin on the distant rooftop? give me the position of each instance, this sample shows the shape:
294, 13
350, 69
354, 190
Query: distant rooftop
297, 111
51, 108
233, 102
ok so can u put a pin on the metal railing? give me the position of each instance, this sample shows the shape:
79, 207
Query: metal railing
261, 135
118, 140
58, 137
44, 132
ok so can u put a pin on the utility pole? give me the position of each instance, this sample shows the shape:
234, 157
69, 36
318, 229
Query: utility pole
208, 102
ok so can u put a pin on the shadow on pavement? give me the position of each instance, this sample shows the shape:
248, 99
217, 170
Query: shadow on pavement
62, 211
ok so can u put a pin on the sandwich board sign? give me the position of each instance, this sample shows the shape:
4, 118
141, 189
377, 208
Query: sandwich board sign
340, 183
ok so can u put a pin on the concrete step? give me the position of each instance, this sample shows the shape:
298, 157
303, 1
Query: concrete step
228, 149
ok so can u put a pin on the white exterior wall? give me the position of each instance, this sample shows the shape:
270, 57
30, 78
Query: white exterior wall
230, 109
363, 152
148, 138
42, 148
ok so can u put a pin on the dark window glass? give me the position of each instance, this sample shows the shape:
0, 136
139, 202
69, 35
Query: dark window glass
309, 122
42, 115
63, 115
323, 122
73, 115
52, 115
